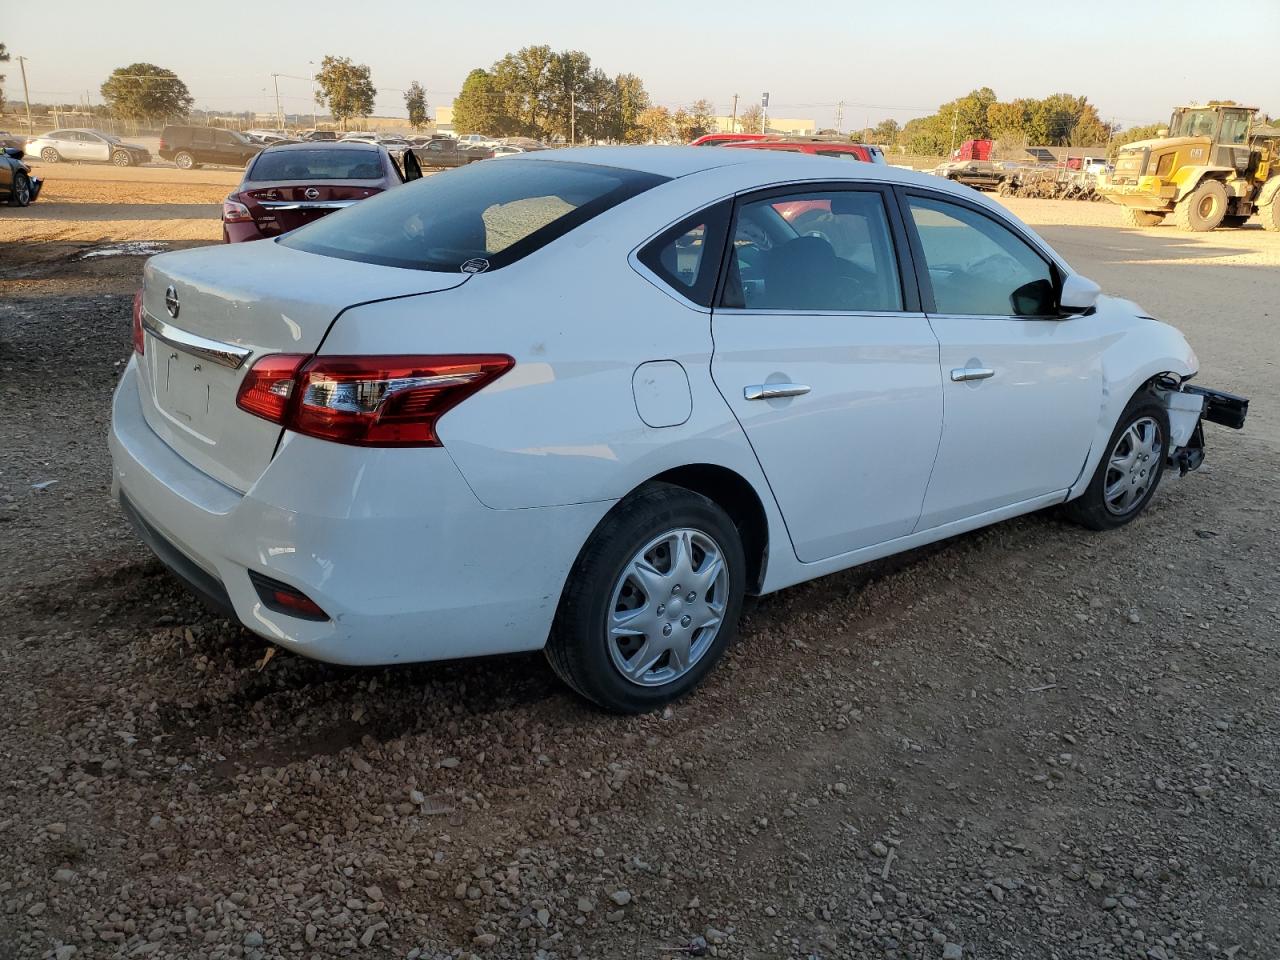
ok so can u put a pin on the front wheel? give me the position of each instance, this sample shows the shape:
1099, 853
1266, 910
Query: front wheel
50, 155
1129, 473
20, 195
1133, 217
652, 601
1203, 208
1269, 215
122, 158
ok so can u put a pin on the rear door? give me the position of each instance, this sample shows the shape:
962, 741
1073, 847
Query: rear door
202, 145
1022, 386
829, 365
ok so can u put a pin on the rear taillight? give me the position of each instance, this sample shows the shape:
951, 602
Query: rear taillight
235, 212
380, 401
268, 386
139, 339
164, 144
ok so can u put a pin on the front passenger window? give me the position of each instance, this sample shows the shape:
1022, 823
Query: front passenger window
978, 267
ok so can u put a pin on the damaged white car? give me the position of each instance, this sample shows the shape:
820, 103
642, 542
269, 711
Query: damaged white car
587, 400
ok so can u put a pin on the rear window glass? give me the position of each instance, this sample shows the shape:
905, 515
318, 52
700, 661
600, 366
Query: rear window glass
333, 164
476, 218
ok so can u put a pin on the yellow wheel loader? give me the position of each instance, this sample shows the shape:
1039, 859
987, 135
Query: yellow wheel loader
1216, 167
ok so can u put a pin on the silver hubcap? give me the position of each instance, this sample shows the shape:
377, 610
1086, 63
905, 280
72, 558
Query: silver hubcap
667, 607
1133, 466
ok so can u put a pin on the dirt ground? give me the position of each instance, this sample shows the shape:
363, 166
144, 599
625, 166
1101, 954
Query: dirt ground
1028, 742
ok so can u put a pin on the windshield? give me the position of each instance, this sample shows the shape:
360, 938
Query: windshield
334, 163
1194, 123
476, 218
1235, 127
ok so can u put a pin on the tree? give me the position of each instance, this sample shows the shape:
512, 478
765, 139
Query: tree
4, 57
415, 101
632, 99
476, 108
655, 124
702, 118
885, 132
145, 93
346, 88
750, 120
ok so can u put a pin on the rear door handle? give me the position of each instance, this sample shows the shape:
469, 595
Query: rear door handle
962, 374
772, 391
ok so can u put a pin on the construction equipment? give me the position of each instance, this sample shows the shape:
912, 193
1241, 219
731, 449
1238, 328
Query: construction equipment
1216, 167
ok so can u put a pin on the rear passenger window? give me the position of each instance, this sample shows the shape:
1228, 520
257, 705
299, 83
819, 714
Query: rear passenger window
823, 251
687, 256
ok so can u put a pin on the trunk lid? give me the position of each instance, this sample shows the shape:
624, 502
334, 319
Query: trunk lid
234, 304
281, 207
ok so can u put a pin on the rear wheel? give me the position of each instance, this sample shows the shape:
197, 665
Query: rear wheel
652, 601
1129, 473
1270, 216
185, 161
1203, 208
1134, 217
50, 155
20, 195
122, 158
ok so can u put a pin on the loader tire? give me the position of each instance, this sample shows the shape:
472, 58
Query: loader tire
1203, 208
1133, 217
1270, 216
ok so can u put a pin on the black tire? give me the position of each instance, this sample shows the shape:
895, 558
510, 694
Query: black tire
1134, 217
122, 158
1203, 208
579, 646
1234, 221
20, 195
185, 161
1091, 508
50, 155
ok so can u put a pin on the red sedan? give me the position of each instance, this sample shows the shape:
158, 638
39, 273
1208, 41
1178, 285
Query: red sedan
292, 184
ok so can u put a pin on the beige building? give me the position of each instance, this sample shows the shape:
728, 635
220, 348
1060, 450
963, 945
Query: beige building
789, 126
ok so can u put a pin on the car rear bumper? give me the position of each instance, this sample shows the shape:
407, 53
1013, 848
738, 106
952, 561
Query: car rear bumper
240, 232
390, 543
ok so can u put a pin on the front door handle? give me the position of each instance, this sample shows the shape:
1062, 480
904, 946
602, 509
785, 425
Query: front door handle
963, 374
772, 391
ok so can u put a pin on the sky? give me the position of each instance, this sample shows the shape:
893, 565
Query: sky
1134, 59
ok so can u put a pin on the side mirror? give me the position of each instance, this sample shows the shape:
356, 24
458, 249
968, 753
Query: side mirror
1079, 294
412, 168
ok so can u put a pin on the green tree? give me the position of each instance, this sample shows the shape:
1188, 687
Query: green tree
4, 57
632, 99
567, 79
750, 119
145, 93
702, 118
346, 88
477, 107
655, 124
415, 101
885, 132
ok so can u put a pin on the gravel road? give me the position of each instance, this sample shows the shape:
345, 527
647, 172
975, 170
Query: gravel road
1028, 742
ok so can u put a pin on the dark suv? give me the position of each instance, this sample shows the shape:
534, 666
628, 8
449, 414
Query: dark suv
189, 147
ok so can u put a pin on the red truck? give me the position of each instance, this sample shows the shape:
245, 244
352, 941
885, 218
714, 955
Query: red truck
973, 150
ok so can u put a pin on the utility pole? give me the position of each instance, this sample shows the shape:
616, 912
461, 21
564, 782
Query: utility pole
22, 65
733, 120
275, 77
764, 112
955, 119
840, 117
573, 117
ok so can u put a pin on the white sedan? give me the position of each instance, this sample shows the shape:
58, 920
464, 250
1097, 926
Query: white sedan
586, 400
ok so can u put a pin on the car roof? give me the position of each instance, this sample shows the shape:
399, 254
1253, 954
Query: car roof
766, 166
335, 145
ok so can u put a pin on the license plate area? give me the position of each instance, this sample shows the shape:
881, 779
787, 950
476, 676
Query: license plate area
190, 391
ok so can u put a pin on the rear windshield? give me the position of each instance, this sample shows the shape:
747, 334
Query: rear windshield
319, 164
476, 218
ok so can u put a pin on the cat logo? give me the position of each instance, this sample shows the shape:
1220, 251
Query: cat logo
1197, 153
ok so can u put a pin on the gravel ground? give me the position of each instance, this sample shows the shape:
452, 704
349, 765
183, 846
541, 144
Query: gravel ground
1032, 741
